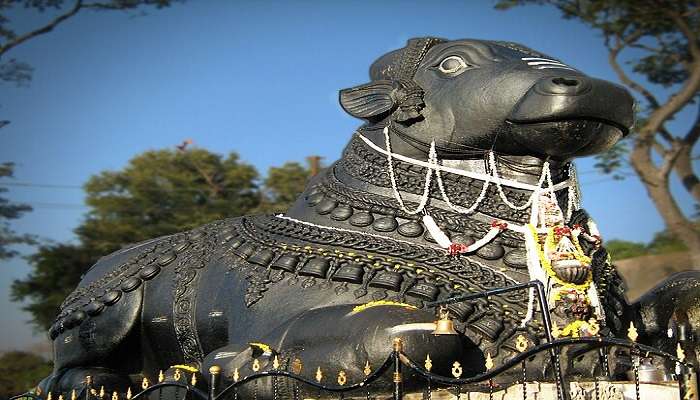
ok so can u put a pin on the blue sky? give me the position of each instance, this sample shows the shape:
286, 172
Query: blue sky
256, 77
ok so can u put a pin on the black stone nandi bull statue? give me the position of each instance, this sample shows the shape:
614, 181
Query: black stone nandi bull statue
459, 182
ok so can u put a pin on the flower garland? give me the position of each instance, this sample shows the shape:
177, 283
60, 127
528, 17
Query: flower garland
547, 266
574, 329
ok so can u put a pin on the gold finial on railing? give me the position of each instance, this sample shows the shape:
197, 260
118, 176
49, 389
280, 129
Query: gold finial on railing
275, 362
145, 383
555, 330
102, 392
128, 393
161, 376
297, 366
193, 380
456, 369
176, 375
235, 375
680, 353
319, 375
368, 369
489, 361
115, 395
60, 396
48, 396
521, 343
632, 332
398, 346
73, 395
342, 378
256, 365
428, 363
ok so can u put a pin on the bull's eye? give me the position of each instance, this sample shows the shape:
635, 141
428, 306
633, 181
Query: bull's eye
452, 65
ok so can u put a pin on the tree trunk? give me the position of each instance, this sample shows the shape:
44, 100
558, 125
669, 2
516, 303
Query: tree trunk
657, 186
684, 169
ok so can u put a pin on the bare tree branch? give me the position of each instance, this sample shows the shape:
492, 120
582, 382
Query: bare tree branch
694, 134
669, 159
40, 31
688, 33
615, 50
664, 133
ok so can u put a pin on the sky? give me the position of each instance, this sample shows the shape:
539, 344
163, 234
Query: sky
257, 77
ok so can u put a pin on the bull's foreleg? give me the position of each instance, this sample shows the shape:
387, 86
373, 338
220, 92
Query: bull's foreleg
345, 339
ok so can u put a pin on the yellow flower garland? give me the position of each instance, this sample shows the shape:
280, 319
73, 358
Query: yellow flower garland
547, 266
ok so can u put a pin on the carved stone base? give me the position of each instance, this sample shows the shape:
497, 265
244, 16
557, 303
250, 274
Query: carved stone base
578, 391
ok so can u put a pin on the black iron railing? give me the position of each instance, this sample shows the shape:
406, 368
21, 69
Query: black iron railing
399, 363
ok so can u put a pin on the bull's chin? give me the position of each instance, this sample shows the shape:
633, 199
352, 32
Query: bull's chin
569, 138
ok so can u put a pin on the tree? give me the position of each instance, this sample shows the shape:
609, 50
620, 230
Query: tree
9, 211
157, 193
664, 38
622, 249
56, 271
162, 192
20, 73
20, 371
282, 186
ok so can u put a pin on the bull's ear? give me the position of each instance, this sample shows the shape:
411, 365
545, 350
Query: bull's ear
369, 101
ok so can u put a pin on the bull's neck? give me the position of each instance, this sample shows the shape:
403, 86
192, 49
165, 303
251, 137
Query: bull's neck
356, 191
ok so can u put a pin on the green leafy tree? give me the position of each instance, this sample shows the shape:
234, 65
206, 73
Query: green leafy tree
56, 271
20, 371
282, 186
157, 193
164, 191
10, 211
659, 40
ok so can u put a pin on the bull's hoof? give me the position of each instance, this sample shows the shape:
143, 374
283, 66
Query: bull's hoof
67, 380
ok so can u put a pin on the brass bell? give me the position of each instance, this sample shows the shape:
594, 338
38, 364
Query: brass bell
444, 325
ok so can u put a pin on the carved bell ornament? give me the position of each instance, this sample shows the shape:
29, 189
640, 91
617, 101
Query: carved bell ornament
444, 325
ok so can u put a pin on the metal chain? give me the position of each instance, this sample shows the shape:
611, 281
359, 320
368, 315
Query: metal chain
635, 364
524, 372
274, 388
597, 389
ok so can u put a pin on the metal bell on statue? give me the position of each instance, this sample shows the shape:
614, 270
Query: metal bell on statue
444, 325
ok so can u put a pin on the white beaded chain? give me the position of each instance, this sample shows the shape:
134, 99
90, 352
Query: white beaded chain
544, 175
460, 209
433, 165
392, 176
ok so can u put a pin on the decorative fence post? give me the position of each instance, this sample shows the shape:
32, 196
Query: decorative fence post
214, 372
687, 382
398, 379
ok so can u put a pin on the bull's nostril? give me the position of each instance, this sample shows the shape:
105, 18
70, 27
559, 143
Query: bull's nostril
565, 82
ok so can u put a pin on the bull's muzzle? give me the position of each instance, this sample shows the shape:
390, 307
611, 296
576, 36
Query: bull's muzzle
575, 97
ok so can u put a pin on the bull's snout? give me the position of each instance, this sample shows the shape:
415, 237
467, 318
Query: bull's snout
575, 97
563, 85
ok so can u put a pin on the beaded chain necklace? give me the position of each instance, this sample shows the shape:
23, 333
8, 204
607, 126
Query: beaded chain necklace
539, 265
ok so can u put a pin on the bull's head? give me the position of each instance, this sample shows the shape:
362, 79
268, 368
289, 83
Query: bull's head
476, 94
